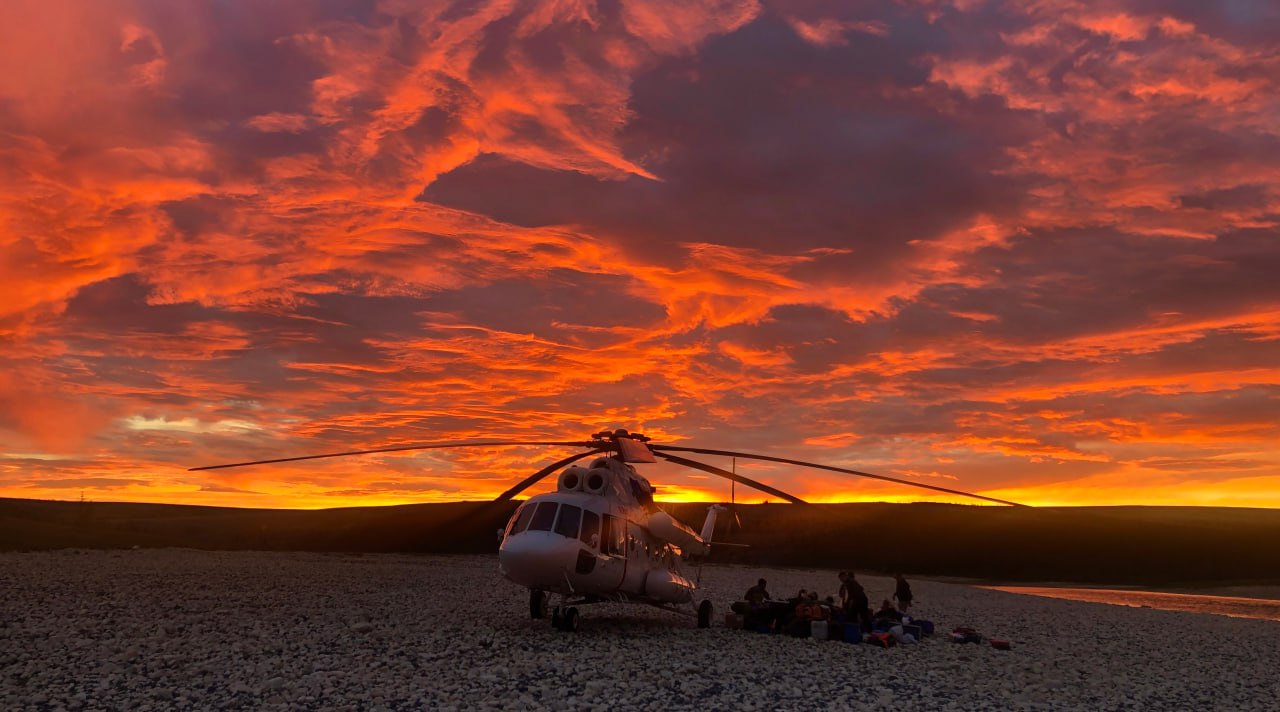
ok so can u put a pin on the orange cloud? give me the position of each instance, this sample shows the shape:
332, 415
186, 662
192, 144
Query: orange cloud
1031, 248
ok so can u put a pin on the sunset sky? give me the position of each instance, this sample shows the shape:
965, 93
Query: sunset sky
1027, 249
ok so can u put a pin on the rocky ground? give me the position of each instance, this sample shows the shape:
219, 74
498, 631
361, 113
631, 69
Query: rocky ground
179, 629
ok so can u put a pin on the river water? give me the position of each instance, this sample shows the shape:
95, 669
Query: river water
1234, 606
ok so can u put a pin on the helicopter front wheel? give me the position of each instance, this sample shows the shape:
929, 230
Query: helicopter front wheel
565, 619
569, 623
705, 610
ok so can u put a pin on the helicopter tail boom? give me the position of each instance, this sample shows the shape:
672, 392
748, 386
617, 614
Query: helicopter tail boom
709, 526
668, 528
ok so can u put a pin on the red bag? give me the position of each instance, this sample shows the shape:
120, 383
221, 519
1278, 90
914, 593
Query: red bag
884, 640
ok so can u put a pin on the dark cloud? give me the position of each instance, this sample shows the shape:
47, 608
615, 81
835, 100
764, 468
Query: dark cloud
1249, 22
763, 139
1048, 286
1238, 196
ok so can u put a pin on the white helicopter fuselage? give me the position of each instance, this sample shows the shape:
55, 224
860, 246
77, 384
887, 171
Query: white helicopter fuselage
599, 536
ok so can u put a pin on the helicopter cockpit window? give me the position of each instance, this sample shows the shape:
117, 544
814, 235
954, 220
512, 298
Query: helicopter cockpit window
520, 521
570, 518
544, 517
590, 528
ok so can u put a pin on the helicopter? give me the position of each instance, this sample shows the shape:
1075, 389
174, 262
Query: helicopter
600, 536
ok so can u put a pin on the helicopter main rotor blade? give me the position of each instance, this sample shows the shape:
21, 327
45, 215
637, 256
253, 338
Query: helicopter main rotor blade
531, 480
398, 448
816, 466
730, 475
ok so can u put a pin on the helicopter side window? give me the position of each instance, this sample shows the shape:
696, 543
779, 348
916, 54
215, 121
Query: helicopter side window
567, 524
620, 537
606, 530
635, 548
590, 528
613, 536
520, 521
544, 517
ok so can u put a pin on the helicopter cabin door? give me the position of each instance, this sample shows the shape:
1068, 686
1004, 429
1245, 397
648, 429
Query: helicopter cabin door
638, 561
605, 574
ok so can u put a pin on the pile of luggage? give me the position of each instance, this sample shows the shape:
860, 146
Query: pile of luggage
883, 634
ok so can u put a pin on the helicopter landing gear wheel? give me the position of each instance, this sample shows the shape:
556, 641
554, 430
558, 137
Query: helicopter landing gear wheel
537, 604
569, 623
557, 618
705, 610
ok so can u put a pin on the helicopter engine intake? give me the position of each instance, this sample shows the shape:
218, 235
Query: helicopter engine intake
572, 479
596, 480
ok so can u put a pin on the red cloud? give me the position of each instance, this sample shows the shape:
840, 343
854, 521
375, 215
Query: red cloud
1029, 246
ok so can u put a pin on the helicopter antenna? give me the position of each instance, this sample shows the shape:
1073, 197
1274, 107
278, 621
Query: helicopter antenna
661, 451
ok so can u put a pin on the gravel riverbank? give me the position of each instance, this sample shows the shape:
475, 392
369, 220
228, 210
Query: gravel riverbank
182, 629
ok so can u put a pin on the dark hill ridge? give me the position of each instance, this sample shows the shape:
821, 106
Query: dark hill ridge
1151, 546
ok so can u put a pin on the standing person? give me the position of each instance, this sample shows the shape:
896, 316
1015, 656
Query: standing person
844, 589
902, 593
857, 608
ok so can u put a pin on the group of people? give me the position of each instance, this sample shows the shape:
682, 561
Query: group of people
852, 606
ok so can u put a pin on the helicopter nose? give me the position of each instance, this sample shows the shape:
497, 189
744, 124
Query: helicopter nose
538, 559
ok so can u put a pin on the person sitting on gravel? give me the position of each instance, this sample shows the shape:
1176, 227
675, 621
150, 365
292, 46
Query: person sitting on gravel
757, 594
886, 617
802, 610
758, 610
817, 612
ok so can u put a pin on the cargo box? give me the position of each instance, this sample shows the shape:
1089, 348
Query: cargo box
818, 629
